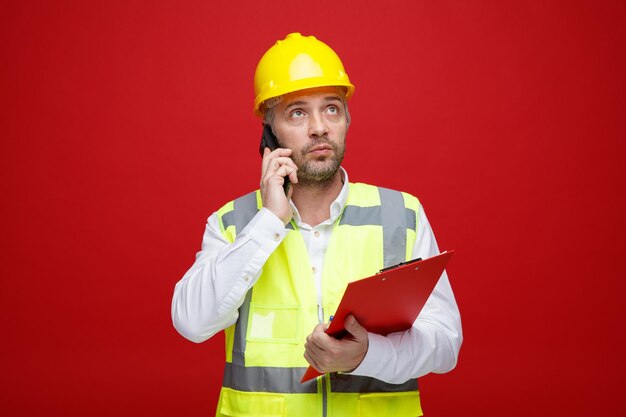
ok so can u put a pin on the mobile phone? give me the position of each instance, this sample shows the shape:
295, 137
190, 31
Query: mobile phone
269, 140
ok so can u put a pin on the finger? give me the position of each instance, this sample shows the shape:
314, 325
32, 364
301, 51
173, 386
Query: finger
269, 155
277, 175
312, 362
313, 349
282, 151
266, 160
275, 163
293, 177
318, 330
354, 328
284, 171
312, 340
278, 152
323, 341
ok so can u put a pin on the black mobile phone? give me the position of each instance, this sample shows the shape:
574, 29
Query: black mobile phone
269, 140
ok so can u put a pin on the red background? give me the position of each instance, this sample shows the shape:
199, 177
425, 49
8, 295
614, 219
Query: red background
126, 123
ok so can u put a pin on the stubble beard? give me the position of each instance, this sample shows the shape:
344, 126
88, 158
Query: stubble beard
318, 171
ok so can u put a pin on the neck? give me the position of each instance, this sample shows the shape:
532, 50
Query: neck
314, 199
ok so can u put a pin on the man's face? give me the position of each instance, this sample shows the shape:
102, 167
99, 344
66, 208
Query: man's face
313, 124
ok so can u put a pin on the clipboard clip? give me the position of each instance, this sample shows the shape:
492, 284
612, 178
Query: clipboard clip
399, 265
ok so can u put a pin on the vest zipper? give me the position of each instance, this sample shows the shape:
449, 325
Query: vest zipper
325, 388
324, 385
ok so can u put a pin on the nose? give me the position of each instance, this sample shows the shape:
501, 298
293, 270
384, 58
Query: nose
317, 125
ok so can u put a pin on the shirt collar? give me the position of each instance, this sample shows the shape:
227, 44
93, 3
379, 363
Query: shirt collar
336, 206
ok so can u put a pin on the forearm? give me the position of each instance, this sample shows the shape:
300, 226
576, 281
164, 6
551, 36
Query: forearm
207, 298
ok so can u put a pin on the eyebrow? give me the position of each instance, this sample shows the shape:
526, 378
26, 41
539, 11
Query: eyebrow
301, 102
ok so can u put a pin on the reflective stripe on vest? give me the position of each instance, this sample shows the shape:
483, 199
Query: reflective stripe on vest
395, 220
287, 381
386, 215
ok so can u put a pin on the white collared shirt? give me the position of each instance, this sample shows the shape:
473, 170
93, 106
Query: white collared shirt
207, 298
317, 238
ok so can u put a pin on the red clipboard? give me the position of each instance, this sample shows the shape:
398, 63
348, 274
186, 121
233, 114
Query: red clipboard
389, 301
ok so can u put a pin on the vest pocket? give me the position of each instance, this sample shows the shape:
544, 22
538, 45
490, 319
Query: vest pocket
397, 404
251, 404
274, 323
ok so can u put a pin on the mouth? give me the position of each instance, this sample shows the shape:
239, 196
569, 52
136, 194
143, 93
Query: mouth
320, 149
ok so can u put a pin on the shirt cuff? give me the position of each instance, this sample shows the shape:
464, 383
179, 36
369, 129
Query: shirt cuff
266, 229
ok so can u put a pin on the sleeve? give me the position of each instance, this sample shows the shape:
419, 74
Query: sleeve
433, 342
207, 298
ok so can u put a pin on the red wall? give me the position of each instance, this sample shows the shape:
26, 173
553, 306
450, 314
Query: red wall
126, 123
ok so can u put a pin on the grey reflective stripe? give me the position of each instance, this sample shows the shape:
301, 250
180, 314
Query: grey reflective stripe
394, 226
245, 209
361, 216
287, 381
411, 219
228, 219
370, 216
267, 379
354, 383
247, 204
241, 328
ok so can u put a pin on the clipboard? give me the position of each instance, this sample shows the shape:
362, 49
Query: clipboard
389, 301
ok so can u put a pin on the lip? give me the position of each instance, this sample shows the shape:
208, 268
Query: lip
321, 149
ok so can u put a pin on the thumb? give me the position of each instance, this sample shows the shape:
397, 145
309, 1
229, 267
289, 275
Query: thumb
354, 328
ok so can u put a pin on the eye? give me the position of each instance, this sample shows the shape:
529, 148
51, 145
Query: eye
332, 109
296, 114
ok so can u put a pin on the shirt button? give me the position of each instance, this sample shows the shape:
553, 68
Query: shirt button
314, 269
276, 237
316, 234
246, 277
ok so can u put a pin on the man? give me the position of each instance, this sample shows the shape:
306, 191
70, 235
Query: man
273, 267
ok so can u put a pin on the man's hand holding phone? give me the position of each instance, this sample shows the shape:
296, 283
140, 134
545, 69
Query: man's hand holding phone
276, 166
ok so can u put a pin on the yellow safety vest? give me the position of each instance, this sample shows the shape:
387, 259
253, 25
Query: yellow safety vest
265, 347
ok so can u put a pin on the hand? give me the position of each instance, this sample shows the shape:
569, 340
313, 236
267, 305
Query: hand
327, 354
276, 166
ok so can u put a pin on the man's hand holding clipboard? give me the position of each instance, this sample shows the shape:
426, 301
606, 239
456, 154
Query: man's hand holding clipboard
389, 301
